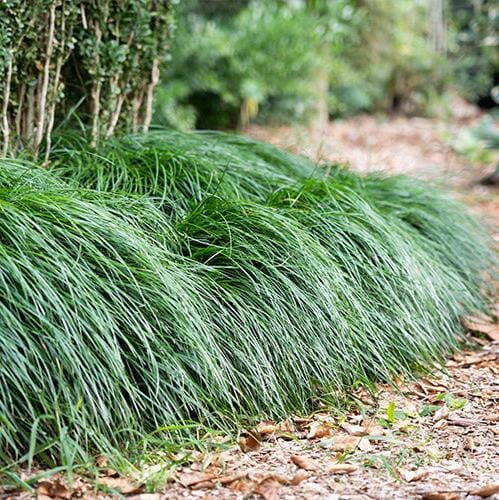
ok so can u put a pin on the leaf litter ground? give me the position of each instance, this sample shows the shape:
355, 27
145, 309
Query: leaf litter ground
435, 439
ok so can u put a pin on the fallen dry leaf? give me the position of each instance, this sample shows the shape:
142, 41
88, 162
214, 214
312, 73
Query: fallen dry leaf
411, 476
469, 444
486, 491
266, 428
249, 443
342, 468
355, 430
480, 360
203, 485
286, 427
488, 329
189, 479
300, 476
441, 424
232, 477
101, 461
304, 463
345, 443
364, 445
430, 387
441, 495
280, 478
374, 429
302, 423
121, 484
268, 489
241, 486
318, 430
53, 488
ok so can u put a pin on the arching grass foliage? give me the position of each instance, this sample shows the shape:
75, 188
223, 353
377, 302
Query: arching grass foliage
176, 277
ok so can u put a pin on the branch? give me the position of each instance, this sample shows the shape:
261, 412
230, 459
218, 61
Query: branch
45, 82
96, 89
57, 77
150, 94
5, 107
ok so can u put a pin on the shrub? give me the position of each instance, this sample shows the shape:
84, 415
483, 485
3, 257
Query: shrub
54, 54
390, 62
474, 49
228, 67
287, 61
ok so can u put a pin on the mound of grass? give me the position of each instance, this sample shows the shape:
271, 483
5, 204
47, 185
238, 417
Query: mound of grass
176, 277
182, 168
104, 329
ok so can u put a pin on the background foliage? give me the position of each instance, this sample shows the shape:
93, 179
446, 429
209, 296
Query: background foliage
289, 61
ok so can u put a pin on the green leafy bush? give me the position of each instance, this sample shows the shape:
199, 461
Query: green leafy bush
56, 55
280, 61
474, 48
390, 62
265, 55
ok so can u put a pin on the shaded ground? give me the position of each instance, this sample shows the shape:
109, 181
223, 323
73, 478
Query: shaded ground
434, 439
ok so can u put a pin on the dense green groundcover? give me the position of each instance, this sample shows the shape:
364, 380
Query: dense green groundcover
169, 278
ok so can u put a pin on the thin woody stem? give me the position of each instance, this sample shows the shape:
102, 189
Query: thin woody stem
45, 82
5, 107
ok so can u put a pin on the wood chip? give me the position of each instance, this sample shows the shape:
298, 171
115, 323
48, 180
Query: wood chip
463, 422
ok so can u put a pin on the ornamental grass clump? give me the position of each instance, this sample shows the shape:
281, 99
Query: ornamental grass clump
99, 321
182, 168
171, 278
